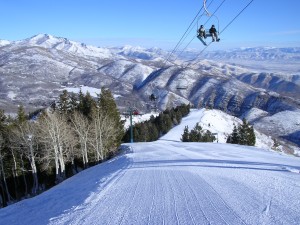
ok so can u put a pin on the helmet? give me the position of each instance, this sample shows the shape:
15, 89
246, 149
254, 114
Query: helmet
213, 26
201, 26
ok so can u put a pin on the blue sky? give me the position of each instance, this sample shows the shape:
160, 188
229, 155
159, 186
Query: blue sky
159, 23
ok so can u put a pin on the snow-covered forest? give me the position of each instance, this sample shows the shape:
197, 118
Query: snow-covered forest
171, 182
44, 148
38, 152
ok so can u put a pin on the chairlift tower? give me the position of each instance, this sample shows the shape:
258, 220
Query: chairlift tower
131, 127
131, 111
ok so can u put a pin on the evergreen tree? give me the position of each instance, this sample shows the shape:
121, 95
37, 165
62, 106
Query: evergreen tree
73, 101
234, 136
208, 137
164, 123
21, 116
108, 106
2, 120
243, 135
185, 136
196, 133
153, 132
157, 126
251, 136
80, 105
63, 104
88, 105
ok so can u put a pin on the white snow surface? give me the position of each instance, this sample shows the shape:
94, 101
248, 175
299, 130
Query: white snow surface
170, 182
287, 122
94, 92
11, 95
217, 122
254, 114
138, 118
59, 43
4, 42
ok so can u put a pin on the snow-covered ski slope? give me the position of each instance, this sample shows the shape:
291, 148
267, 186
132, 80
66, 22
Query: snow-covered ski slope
170, 182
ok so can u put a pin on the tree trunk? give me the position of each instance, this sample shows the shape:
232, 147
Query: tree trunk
24, 177
9, 198
15, 176
62, 163
35, 185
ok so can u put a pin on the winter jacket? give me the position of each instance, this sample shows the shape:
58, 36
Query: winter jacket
212, 30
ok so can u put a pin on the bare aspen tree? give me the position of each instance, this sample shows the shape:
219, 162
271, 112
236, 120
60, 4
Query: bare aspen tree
15, 171
97, 134
23, 174
25, 139
53, 131
81, 126
110, 136
104, 131
73, 151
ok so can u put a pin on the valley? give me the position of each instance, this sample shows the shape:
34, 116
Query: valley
34, 71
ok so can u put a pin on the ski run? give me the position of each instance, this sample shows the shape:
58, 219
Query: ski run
170, 182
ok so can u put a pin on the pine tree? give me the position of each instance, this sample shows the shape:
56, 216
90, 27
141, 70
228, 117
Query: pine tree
164, 123
153, 132
2, 120
80, 105
208, 137
196, 133
63, 104
185, 136
107, 105
251, 136
88, 105
234, 136
21, 116
243, 135
73, 101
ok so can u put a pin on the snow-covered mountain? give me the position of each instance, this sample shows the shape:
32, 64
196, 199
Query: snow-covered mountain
34, 71
4, 42
260, 54
58, 43
170, 182
142, 53
262, 59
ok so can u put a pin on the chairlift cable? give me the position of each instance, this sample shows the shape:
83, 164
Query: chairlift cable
236, 16
204, 24
221, 32
178, 44
182, 38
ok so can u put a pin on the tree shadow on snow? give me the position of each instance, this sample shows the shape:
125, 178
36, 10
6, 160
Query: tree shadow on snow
215, 163
70, 196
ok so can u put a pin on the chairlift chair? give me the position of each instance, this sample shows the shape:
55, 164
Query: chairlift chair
207, 34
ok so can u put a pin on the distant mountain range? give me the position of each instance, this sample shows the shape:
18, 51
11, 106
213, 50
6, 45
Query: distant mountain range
34, 71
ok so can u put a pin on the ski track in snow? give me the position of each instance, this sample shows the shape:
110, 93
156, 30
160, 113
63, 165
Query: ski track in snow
169, 182
166, 183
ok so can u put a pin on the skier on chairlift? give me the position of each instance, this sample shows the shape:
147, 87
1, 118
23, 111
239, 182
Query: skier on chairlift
152, 97
214, 34
201, 32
